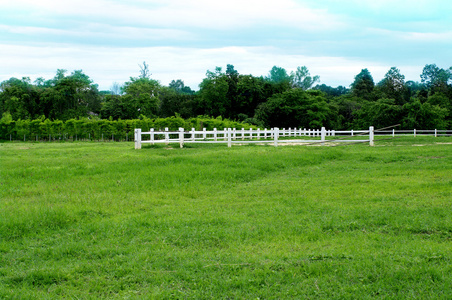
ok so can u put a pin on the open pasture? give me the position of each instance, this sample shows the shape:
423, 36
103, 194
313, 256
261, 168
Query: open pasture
102, 220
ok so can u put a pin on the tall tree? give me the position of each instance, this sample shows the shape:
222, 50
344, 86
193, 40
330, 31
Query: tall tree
363, 85
393, 86
302, 79
436, 79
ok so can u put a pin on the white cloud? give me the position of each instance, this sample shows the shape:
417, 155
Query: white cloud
108, 65
182, 13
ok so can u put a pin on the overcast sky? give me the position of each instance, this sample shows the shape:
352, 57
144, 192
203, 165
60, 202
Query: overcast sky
182, 39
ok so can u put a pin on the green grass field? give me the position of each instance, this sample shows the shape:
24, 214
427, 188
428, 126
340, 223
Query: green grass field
105, 221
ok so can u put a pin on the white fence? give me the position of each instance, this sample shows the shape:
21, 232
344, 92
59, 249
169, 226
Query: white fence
264, 136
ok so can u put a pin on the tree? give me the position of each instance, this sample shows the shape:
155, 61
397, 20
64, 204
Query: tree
424, 115
144, 71
20, 98
380, 113
302, 79
212, 96
142, 96
331, 91
363, 85
278, 75
393, 86
436, 79
295, 108
179, 87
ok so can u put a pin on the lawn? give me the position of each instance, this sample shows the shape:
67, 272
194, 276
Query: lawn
105, 221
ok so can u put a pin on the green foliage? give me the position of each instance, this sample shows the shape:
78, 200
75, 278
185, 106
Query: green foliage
424, 115
295, 108
97, 129
302, 78
363, 85
228, 94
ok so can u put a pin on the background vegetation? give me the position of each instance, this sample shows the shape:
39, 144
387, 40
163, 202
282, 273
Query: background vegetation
279, 99
104, 221
97, 129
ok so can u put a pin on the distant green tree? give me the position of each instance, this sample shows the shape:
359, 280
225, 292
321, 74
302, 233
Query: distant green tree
363, 86
141, 96
331, 91
424, 115
279, 75
393, 86
380, 113
176, 102
302, 79
20, 98
295, 108
179, 87
436, 79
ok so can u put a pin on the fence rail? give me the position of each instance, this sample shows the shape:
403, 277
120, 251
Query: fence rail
233, 136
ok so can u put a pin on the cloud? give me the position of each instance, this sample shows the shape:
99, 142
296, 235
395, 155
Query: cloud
220, 15
108, 65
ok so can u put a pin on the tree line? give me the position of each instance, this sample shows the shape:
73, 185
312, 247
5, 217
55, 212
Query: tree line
280, 99
102, 129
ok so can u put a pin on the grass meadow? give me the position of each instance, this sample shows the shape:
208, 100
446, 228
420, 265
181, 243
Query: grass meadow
105, 221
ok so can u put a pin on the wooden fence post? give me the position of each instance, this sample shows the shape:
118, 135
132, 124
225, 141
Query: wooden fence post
138, 138
181, 137
152, 136
371, 136
166, 136
204, 134
276, 134
215, 134
229, 133
322, 135
414, 132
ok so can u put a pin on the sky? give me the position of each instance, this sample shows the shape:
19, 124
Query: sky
182, 39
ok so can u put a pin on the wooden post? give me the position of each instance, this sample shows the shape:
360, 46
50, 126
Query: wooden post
414, 132
204, 134
371, 136
393, 133
152, 136
229, 133
352, 132
181, 137
225, 134
436, 133
276, 134
243, 133
322, 135
138, 138
215, 134
166, 136
193, 134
